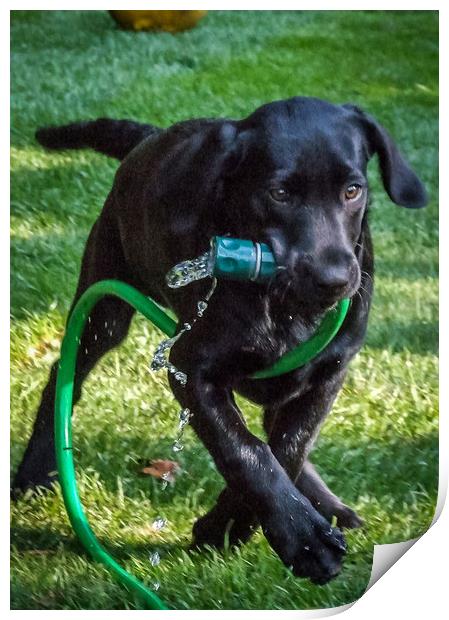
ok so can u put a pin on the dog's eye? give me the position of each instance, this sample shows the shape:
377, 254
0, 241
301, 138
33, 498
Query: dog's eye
353, 191
279, 194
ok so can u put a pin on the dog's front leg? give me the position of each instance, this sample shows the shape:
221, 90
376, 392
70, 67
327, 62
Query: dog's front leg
302, 538
291, 430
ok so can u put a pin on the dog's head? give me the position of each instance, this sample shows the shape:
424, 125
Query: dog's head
293, 174
295, 177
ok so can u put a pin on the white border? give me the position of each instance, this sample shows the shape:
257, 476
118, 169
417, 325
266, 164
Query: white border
417, 584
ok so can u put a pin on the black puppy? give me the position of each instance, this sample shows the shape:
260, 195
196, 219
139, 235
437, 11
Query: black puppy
293, 175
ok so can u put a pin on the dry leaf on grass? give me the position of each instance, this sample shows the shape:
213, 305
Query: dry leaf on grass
160, 468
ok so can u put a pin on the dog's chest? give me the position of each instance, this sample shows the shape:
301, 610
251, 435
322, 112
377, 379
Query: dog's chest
275, 332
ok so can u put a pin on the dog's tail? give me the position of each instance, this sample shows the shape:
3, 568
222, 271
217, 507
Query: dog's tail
105, 135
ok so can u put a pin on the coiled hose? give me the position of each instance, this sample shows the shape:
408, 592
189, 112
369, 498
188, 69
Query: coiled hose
64, 404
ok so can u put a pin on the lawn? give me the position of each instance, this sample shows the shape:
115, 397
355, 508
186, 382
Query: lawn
378, 448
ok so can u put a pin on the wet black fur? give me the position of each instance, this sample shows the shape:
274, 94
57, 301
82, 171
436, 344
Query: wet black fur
175, 189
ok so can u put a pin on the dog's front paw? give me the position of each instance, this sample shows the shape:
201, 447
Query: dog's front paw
304, 540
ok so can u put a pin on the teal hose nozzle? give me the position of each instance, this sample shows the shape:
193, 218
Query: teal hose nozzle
241, 259
233, 259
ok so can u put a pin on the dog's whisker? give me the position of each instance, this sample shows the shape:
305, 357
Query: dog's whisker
364, 290
286, 289
363, 301
366, 275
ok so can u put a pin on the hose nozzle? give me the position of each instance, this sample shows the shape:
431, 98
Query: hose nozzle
241, 259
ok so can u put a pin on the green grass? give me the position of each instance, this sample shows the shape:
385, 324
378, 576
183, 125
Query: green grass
378, 449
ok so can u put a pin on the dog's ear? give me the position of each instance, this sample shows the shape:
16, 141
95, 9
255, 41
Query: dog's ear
400, 182
235, 150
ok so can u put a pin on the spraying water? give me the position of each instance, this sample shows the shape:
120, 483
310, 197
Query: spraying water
182, 274
155, 558
190, 271
229, 258
233, 259
160, 357
184, 418
159, 523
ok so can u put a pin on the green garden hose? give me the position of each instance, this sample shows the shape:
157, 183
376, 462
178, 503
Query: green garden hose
63, 424
64, 403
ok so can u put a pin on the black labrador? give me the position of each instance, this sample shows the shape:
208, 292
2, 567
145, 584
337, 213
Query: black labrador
293, 175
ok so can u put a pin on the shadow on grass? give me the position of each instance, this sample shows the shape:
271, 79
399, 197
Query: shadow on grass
44, 541
396, 473
398, 468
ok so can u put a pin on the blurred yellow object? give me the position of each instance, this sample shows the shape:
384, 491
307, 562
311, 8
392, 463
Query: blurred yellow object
169, 21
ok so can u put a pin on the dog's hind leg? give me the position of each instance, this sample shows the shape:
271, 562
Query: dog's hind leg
107, 326
324, 500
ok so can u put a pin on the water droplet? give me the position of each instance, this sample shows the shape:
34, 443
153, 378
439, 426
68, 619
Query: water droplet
155, 585
181, 377
159, 523
201, 308
190, 270
155, 558
306, 548
95, 337
211, 290
184, 417
86, 351
105, 324
177, 446
158, 362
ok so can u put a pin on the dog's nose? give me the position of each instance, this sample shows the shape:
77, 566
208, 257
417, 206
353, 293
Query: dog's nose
333, 278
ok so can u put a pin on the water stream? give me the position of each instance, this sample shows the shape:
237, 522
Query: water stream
182, 274
190, 270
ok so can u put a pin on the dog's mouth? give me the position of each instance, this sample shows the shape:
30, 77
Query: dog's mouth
296, 294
